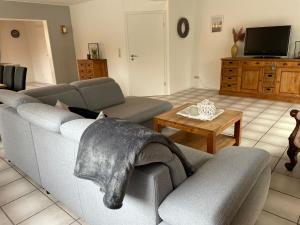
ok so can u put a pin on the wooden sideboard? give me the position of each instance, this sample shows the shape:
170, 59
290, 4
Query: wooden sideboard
89, 69
275, 79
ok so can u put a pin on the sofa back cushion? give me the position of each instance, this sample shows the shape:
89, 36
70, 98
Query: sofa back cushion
46, 116
63, 92
100, 93
15, 99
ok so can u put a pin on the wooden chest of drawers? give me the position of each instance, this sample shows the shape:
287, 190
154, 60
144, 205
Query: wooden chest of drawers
89, 69
276, 79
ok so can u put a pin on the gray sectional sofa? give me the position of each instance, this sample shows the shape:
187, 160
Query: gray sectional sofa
228, 188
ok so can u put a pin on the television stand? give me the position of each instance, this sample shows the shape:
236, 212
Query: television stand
273, 79
267, 57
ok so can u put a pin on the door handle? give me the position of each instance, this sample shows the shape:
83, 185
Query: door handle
133, 57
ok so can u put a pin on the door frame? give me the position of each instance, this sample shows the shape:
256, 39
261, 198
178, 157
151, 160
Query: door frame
47, 38
166, 49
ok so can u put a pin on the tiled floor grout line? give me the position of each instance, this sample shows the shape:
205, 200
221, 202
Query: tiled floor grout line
37, 189
7, 216
15, 169
11, 182
280, 158
279, 217
56, 203
78, 221
31, 182
284, 193
273, 123
18, 198
276, 121
35, 213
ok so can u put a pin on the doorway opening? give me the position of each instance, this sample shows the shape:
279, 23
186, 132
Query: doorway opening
26, 43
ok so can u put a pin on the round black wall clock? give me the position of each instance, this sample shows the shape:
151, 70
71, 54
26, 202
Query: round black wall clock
15, 33
183, 27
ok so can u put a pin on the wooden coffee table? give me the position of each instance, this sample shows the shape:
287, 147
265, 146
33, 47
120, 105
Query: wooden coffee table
202, 135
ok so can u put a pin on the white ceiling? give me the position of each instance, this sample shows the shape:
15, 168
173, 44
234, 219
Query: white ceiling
52, 2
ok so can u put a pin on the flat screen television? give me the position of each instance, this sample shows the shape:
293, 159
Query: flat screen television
267, 41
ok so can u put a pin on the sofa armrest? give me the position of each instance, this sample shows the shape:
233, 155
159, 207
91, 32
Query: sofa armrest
215, 193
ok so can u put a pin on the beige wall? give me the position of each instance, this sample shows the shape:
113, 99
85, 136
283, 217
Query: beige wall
181, 51
213, 46
62, 46
13, 50
103, 21
197, 56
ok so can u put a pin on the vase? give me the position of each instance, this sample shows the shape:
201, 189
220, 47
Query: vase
234, 50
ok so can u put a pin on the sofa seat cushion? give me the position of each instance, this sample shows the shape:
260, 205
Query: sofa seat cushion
99, 93
15, 99
63, 92
138, 109
46, 116
215, 193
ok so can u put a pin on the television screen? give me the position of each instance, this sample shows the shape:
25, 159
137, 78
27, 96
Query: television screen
267, 41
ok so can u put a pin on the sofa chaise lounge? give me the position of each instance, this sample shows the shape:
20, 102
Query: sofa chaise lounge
229, 188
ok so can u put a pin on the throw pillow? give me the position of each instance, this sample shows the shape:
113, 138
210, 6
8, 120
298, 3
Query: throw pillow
88, 114
101, 116
59, 104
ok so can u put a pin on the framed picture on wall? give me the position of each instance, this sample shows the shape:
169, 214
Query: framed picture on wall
94, 50
217, 23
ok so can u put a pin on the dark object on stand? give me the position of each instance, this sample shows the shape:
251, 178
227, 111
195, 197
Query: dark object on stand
294, 142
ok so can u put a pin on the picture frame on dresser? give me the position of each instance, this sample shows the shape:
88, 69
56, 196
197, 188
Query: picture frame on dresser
94, 50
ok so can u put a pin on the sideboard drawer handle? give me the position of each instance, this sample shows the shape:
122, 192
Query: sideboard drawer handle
230, 62
270, 75
229, 78
257, 63
268, 89
230, 70
285, 64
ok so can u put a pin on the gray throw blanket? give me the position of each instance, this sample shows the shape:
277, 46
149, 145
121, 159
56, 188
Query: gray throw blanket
108, 152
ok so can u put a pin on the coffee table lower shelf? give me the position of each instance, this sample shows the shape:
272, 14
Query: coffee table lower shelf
200, 143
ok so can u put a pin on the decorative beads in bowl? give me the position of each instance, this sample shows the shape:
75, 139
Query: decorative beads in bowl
207, 107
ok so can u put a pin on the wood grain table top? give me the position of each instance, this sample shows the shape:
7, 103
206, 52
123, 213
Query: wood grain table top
3, 86
217, 126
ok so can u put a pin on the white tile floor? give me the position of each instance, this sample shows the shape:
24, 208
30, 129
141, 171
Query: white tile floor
266, 125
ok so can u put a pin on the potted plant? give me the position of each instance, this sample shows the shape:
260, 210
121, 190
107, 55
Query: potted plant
237, 36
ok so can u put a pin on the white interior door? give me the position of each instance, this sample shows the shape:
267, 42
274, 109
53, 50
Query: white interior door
147, 53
